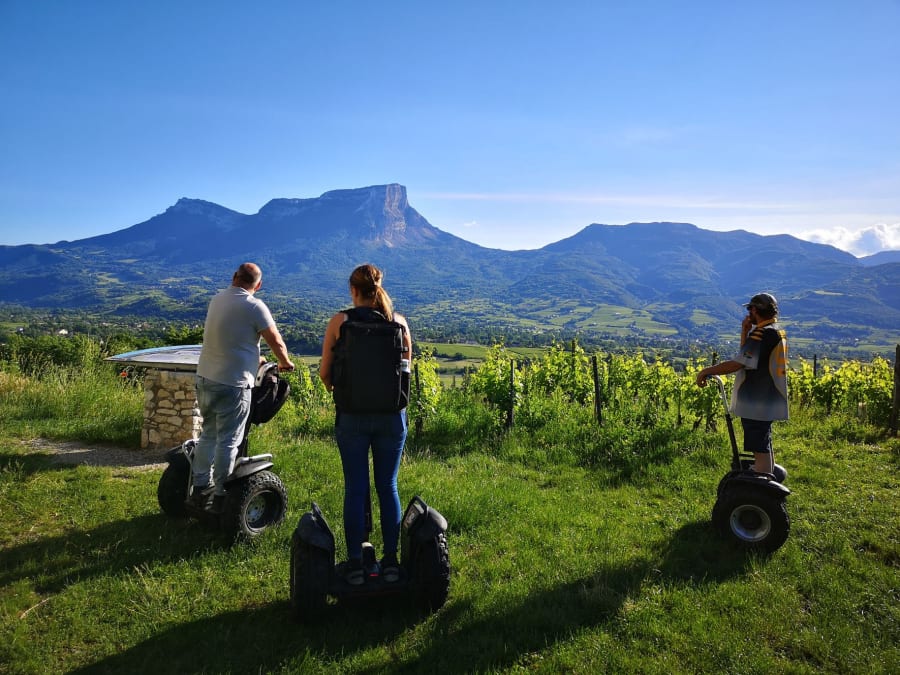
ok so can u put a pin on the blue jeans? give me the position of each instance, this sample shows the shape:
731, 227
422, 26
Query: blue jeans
225, 410
385, 434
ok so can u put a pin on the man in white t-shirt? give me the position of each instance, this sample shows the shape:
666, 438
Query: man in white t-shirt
226, 371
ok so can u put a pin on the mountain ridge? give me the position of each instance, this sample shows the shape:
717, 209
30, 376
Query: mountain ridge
673, 276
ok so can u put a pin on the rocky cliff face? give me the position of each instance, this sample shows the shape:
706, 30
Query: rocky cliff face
379, 213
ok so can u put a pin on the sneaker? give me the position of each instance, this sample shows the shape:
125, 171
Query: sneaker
390, 568
353, 573
200, 495
370, 565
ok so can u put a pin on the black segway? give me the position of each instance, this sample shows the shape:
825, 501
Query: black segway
255, 498
750, 506
424, 563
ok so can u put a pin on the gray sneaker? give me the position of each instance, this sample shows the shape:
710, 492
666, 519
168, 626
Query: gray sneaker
353, 573
390, 568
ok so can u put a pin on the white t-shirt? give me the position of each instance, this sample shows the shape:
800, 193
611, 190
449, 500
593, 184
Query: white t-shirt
230, 353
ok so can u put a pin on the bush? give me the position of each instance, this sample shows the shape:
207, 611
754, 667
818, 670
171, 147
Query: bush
426, 389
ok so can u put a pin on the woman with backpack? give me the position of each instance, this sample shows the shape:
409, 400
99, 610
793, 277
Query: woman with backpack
365, 364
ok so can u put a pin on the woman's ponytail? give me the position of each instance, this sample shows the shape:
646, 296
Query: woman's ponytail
366, 279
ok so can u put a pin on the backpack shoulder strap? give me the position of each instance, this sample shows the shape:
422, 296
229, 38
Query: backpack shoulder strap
364, 314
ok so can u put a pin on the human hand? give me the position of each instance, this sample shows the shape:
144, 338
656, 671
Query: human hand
286, 367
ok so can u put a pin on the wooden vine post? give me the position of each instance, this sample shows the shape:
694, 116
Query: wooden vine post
598, 404
510, 413
418, 403
895, 406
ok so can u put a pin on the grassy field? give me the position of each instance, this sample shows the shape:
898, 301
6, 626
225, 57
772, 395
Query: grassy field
455, 360
556, 567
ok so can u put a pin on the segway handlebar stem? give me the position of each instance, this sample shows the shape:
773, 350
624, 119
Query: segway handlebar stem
720, 385
735, 453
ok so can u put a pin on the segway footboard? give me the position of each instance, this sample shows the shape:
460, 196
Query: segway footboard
424, 563
754, 480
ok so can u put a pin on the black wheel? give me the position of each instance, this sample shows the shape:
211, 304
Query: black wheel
310, 568
173, 488
431, 574
752, 517
253, 504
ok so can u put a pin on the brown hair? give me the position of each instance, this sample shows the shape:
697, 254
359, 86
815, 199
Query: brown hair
366, 279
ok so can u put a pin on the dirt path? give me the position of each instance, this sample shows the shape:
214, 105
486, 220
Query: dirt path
93, 454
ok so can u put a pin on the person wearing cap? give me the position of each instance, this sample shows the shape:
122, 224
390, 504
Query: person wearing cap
760, 393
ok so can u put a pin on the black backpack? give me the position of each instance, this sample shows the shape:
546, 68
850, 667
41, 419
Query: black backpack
366, 373
268, 394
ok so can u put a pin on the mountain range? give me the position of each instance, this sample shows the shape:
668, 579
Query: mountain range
662, 279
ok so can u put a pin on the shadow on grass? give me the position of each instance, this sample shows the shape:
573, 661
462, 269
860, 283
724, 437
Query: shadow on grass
29, 464
69, 454
694, 556
264, 639
56, 562
697, 554
268, 639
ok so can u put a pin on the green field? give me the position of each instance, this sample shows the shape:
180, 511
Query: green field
559, 565
455, 360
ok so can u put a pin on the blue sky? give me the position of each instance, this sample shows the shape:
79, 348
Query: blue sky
512, 124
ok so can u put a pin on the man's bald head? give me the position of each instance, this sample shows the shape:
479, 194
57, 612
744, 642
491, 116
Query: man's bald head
248, 276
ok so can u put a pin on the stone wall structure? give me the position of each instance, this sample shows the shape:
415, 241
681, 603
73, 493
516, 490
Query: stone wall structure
171, 414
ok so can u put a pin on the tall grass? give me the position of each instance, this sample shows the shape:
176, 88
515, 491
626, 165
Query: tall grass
575, 548
90, 403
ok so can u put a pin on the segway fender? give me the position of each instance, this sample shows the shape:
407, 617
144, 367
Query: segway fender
760, 481
421, 522
242, 471
313, 530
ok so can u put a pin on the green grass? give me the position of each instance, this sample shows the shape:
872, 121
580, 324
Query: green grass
557, 567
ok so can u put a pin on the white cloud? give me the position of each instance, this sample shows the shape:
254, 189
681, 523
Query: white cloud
864, 240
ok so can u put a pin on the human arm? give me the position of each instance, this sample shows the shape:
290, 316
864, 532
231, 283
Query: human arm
332, 333
722, 368
733, 365
746, 326
273, 338
407, 336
